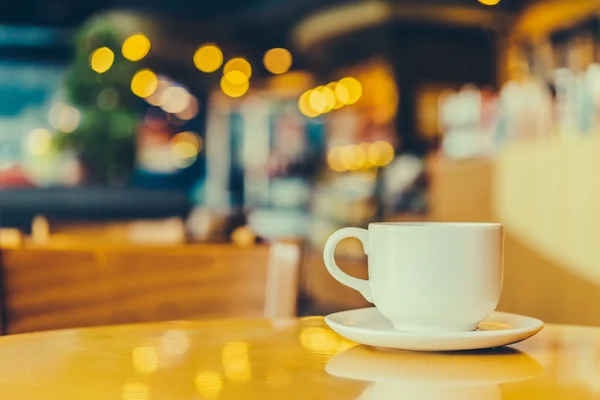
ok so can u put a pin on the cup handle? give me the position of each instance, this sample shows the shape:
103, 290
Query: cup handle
360, 285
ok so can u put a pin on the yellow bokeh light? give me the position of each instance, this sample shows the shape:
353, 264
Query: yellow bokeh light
277, 60
232, 90
380, 153
39, 142
341, 94
236, 361
68, 119
175, 99
304, 105
208, 58
353, 87
136, 47
337, 104
144, 359
209, 384
135, 391
238, 64
185, 147
329, 98
102, 59
317, 100
334, 160
236, 77
319, 340
144, 83
489, 2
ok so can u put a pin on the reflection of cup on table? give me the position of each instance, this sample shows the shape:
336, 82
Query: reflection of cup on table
460, 375
428, 277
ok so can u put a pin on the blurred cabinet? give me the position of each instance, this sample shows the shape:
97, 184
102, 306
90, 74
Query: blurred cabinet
546, 195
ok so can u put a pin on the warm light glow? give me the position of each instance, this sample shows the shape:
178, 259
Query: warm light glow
191, 111
102, 59
352, 157
319, 340
305, 107
39, 142
208, 58
135, 391
243, 236
236, 361
380, 153
209, 384
175, 99
238, 64
277, 60
489, 2
236, 77
68, 119
232, 90
333, 160
317, 100
329, 98
185, 147
136, 47
337, 102
144, 359
354, 88
144, 83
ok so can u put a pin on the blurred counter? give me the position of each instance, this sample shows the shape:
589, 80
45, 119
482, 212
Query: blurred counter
546, 194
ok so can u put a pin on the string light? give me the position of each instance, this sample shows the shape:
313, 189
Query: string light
144, 83
208, 58
102, 59
136, 47
277, 60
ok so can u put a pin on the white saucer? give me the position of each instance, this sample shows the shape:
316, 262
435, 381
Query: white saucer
367, 326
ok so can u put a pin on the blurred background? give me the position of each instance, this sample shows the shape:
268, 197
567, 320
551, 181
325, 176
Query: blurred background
175, 159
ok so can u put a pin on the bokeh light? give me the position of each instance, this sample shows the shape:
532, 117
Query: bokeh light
380, 153
337, 104
209, 384
317, 100
144, 83
333, 160
144, 359
191, 111
102, 59
489, 2
354, 88
175, 99
329, 98
277, 60
236, 77
39, 142
341, 94
68, 119
135, 391
305, 107
185, 147
208, 58
136, 47
232, 90
238, 64
236, 361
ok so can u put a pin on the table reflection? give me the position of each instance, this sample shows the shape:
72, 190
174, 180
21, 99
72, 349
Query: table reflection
456, 375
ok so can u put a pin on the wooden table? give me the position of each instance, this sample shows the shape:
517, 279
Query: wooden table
293, 359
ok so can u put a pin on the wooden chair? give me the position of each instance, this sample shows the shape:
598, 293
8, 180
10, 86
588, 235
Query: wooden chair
65, 285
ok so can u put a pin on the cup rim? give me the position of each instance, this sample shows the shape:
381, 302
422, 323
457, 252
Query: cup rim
417, 224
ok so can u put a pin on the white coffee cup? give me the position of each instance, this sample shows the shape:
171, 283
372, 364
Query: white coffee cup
430, 276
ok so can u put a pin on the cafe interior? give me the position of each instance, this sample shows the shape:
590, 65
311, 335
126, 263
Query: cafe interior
176, 160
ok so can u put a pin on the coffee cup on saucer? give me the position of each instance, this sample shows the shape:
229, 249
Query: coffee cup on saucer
427, 277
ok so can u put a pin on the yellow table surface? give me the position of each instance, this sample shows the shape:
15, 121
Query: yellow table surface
298, 359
